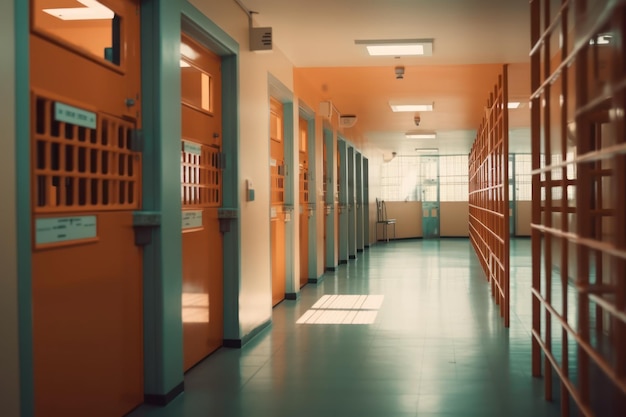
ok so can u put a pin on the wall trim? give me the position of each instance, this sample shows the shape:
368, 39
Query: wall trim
239, 343
164, 399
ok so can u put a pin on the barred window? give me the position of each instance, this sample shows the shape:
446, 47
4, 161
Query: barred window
454, 178
523, 177
399, 179
416, 178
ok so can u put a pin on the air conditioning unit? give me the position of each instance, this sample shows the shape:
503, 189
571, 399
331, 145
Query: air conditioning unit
347, 120
326, 109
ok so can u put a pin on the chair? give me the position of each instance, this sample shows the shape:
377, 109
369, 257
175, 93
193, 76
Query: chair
382, 220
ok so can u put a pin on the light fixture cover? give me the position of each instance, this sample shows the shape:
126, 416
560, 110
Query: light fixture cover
513, 104
348, 120
410, 107
398, 47
421, 135
426, 150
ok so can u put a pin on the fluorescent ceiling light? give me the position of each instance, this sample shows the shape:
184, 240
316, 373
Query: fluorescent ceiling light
93, 10
408, 107
513, 104
426, 150
421, 135
398, 47
395, 50
184, 64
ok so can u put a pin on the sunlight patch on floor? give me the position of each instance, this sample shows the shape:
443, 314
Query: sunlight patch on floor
343, 309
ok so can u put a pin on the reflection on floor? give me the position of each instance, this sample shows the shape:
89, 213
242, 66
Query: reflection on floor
436, 346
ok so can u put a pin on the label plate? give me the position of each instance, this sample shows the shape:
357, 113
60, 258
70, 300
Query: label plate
64, 229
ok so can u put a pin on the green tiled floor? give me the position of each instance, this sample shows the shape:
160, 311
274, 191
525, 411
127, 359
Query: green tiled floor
435, 348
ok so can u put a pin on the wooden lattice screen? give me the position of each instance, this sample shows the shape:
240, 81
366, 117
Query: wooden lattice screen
489, 195
578, 76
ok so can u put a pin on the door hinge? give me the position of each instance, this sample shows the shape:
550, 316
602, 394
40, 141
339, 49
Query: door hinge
135, 141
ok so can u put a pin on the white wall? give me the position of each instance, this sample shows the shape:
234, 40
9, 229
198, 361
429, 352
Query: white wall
255, 304
9, 348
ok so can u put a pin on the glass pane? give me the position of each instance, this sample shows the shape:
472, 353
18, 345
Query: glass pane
195, 86
87, 26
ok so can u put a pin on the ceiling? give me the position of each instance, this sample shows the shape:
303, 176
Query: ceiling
472, 41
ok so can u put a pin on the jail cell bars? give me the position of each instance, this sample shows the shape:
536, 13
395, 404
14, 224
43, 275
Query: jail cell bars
489, 195
578, 77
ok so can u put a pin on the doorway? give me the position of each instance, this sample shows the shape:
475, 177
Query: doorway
201, 194
430, 197
277, 201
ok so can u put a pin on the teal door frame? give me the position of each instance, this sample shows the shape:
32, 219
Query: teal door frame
352, 239
344, 244
162, 22
329, 205
366, 204
15, 28
360, 232
313, 204
280, 92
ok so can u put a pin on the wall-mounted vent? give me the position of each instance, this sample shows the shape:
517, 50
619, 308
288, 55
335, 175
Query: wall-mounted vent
260, 39
347, 120
326, 109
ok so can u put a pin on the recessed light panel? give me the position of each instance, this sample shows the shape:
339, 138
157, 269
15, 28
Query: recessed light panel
513, 104
426, 150
398, 47
421, 135
410, 107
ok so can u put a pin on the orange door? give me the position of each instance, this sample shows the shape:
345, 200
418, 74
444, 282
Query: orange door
304, 204
277, 225
86, 183
201, 191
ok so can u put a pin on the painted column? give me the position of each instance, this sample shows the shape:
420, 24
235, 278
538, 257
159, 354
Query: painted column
344, 229
292, 202
16, 377
330, 207
358, 162
352, 209
366, 204
163, 346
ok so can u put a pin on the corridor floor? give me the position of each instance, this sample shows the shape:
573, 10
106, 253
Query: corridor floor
434, 346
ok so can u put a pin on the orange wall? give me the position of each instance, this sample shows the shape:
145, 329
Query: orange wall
408, 215
454, 218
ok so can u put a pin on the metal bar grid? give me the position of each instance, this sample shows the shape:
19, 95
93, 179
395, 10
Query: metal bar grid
78, 168
201, 177
489, 195
578, 78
